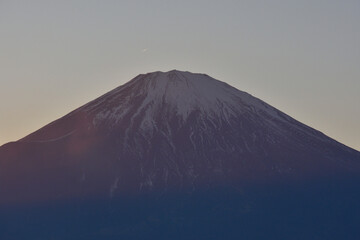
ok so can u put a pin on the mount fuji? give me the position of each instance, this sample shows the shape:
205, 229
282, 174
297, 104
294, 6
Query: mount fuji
166, 134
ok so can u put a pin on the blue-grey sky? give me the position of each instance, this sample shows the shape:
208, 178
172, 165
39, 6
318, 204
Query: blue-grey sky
302, 57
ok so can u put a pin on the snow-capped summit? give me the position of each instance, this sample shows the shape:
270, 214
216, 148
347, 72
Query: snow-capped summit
176, 92
167, 130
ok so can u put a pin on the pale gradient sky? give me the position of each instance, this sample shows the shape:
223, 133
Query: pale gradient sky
302, 57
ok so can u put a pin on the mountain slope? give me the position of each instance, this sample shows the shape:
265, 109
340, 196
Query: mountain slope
178, 155
167, 131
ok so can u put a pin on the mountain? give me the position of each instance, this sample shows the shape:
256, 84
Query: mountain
169, 133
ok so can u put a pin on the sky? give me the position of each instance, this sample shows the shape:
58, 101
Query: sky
302, 57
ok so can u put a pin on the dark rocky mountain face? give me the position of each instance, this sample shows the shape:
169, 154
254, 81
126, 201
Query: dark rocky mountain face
167, 150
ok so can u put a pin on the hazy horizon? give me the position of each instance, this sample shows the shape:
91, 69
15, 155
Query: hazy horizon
300, 57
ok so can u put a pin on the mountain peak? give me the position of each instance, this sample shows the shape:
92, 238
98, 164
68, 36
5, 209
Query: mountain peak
175, 93
174, 76
173, 71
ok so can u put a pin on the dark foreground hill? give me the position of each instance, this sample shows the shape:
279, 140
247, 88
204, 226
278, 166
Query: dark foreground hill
178, 155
